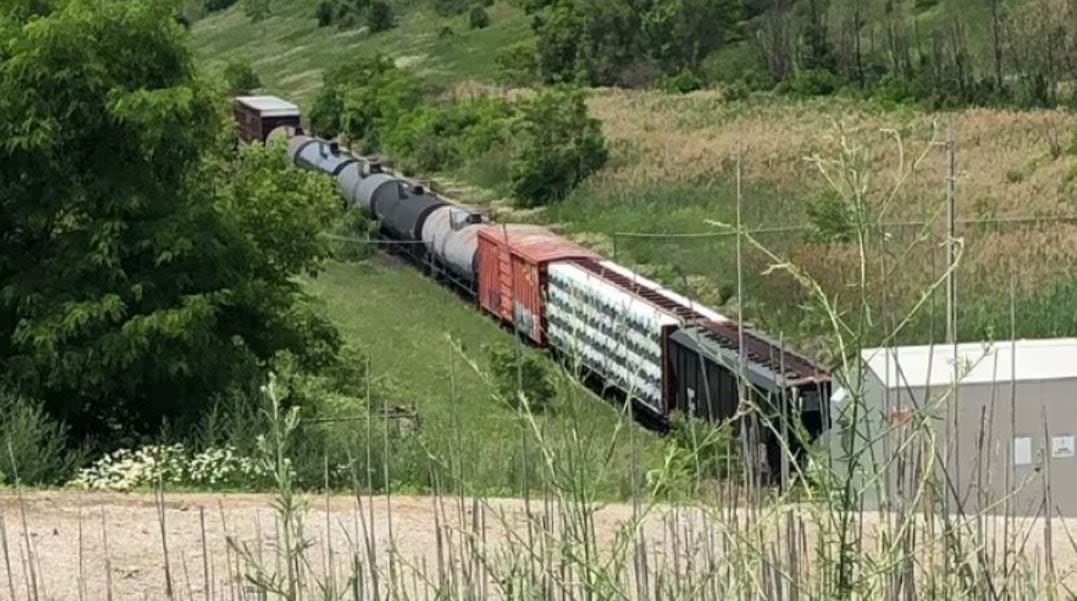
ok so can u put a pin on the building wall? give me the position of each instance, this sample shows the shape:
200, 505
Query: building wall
982, 450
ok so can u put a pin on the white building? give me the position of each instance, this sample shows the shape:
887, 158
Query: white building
1004, 415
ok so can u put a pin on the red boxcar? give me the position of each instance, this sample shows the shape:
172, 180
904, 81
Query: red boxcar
512, 273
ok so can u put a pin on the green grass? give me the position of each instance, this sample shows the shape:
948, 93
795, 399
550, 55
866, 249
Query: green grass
289, 51
410, 327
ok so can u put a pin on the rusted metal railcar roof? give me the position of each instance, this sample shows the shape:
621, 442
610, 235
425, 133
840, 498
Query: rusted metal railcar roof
723, 338
534, 243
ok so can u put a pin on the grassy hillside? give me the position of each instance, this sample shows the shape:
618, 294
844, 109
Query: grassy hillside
671, 172
411, 328
289, 51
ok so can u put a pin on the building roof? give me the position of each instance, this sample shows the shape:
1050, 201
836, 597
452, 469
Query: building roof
977, 362
270, 106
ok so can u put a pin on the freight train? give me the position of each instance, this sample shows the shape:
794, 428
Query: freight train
660, 350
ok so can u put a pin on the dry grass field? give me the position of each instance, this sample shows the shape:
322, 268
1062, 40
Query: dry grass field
674, 160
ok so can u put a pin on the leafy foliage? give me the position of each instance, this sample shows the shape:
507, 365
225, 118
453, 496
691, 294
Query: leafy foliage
212, 6
375, 15
612, 42
517, 64
33, 445
558, 145
359, 99
477, 18
521, 374
141, 273
438, 136
379, 17
240, 77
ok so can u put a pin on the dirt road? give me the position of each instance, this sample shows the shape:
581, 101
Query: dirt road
113, 546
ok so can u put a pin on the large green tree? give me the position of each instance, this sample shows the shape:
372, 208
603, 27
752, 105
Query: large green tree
621, 41
140, 273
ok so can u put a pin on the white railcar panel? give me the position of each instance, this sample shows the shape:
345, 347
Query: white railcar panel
614, 333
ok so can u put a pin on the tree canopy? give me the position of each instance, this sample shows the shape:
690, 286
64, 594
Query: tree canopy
141, 272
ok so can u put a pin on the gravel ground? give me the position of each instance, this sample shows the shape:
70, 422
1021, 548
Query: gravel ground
59, 520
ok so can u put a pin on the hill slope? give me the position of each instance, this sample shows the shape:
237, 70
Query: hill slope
672, 171
289, 51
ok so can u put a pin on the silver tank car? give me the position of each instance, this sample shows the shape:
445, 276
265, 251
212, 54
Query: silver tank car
405, 218
352, 175
450, 234
319, 155
375, 192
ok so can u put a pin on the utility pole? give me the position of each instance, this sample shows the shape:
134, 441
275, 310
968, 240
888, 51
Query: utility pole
953, 440
951, 235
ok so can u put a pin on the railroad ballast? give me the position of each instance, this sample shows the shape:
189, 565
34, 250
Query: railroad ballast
656, 348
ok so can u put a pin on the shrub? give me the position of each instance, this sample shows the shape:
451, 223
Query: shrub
32, 444
517, 64
682, 83
325, 12
435, 137
521, 372
240, 77
213, 6
813, 82
174, 465
355, 230
359, 95
831, 220
379, 17
558, 145
477, 18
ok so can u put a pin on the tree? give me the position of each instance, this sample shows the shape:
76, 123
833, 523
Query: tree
240, 77
558, 145
360, 98
379, 17
681, 33
140, 273
477, 18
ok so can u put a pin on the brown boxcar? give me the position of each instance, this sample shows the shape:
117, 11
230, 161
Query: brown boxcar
257, 116
512, 273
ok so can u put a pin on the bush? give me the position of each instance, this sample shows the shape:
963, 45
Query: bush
813, 82
32, 444
477, 18
436, 137
358, 96
517, 64
519, 371
379, 17
697, 452
558, 145
325, 13
173, 465
682, 83
831, 220
357, 230
213, 6
240, 77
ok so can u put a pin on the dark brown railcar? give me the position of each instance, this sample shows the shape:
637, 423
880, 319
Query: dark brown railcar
257, 116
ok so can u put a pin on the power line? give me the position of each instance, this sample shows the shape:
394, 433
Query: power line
785, 229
